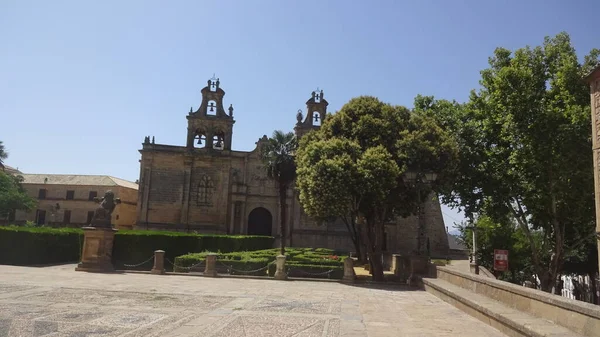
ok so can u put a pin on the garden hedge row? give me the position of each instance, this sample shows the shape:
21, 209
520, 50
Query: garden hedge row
42, 245
24, 246
294, 269
300, 262
134, 246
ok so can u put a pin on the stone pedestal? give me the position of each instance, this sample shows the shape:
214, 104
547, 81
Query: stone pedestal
97, 250
159, 262
280, 271
401, 266
211, 265
349, 275
419, 267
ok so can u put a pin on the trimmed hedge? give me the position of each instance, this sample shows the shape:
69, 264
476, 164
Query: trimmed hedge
300, 262
43, 245
134, 246
32, 246
310, 270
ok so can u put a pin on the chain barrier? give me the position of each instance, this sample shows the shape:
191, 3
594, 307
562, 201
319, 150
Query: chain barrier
186, 268
311, 274
230, 268
139, 264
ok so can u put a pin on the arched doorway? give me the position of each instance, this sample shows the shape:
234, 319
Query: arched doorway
260, 222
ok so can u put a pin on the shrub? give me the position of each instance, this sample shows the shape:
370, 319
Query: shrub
43, 245
39, 245
253, 266
301, 262
294, 269
135, 246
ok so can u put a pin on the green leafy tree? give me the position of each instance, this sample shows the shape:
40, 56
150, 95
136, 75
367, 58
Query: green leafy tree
12, 195
353, 166
525, 143
3, 155
500, 235
278, 158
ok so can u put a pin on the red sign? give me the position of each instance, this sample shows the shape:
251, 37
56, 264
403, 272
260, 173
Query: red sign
500, 259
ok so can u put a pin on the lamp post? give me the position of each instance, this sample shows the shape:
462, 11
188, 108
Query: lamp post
474, 265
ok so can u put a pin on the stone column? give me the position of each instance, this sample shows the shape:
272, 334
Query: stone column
211, 265
97, 250
349, 275
159, 262
280, 271
593, 80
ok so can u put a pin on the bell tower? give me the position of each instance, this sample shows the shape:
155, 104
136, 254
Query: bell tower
316, 112
210, 126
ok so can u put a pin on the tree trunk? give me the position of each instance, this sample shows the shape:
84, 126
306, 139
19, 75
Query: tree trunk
355, 235
373, 252
282, 212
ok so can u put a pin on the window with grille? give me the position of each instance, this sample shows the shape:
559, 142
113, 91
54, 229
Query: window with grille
205, 191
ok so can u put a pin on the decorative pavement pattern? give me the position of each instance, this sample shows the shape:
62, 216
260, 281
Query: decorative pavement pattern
57, 301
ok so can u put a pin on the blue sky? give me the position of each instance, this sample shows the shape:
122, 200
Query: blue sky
82, 82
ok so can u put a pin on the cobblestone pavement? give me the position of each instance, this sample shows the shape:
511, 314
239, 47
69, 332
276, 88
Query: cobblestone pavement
57, 301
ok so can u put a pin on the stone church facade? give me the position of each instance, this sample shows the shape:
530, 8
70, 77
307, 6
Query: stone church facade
207, 187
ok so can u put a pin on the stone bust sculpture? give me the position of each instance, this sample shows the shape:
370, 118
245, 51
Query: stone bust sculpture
103, 214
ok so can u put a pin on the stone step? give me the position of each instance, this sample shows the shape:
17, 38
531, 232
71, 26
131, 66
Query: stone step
509, 321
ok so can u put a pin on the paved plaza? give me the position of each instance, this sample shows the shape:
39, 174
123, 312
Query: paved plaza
57, 301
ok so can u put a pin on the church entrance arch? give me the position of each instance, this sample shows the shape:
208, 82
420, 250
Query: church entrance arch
260, 222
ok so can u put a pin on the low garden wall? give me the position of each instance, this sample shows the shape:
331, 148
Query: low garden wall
581, 317
42, 245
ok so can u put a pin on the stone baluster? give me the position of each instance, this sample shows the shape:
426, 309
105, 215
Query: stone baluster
159, 262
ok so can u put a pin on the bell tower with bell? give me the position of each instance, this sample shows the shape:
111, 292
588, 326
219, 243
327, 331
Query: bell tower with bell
210, 126
316, 112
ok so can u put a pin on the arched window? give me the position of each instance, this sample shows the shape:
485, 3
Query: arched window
199, 139
205, 191
219, 141
317, 118
211, 108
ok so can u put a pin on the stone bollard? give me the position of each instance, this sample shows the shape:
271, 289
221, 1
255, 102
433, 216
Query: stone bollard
159, 262
280, 271
419, 268
349, 275
211, 265
400, 267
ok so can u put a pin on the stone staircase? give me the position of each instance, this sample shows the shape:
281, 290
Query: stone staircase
512, 309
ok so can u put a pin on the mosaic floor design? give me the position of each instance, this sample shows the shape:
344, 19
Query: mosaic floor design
68, 312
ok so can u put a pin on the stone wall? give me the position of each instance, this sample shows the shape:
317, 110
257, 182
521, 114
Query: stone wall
580, 317
79, 206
